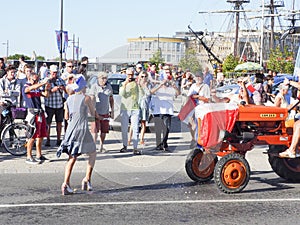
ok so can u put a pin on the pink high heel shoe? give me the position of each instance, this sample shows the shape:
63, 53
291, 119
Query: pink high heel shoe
66, 189
86, 185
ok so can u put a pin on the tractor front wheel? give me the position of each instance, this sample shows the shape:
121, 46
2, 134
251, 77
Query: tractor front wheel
232, 173
288, 169
200, 165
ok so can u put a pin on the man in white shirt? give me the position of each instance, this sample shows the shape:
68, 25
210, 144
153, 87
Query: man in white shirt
43, 71
200, 92
162, 106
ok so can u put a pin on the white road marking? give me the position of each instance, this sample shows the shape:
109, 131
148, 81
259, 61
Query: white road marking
149, 202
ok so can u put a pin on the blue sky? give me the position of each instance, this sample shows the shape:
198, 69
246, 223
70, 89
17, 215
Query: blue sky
103, 25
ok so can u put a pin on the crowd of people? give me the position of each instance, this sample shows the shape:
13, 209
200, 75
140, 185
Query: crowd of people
146, 92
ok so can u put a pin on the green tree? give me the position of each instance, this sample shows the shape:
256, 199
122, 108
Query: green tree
190, 61
17, 56
230, 62
282, 62
40, 58
157, 58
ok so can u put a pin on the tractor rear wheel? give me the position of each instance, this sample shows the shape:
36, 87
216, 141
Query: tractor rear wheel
288, 169
200, 165
232, 173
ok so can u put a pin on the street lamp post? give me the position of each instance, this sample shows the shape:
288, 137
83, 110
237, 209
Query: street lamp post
73, 53
7, 47
61, 33
73, 48
262, 33
77, 51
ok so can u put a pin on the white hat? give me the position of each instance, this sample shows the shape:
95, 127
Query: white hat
53, 68
139, 65
283, 87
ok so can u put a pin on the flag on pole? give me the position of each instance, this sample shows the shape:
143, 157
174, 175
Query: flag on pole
66, 39
76, 52
187, 110
58, 39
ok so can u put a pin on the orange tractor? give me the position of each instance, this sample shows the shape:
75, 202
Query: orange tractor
226, 134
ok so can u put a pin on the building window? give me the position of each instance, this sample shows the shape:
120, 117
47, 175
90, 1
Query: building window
178, 47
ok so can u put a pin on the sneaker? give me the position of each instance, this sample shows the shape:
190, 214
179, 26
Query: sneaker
40, 159
31, 161
47, 144
137, 152
166, 149
159, 147
124, 149
58, 143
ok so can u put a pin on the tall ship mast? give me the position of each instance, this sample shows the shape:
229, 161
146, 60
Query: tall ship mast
253, 41
238, 8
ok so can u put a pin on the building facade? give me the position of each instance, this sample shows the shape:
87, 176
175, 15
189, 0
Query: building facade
143, 48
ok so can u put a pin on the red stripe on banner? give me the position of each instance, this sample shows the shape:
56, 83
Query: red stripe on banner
251, 88
187, 108
213, 123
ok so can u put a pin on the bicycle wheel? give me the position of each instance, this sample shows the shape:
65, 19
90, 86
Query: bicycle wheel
14, 138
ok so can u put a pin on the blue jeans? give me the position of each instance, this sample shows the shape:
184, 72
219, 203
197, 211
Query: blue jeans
134, 118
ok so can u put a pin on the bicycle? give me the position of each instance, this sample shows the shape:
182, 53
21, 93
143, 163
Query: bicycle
14, 135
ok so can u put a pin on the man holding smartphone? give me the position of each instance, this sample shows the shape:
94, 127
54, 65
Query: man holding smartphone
54, 104
129, 93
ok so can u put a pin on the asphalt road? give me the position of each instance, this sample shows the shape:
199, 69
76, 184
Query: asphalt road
148, 189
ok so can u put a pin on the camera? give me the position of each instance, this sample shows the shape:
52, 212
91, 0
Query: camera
131, 79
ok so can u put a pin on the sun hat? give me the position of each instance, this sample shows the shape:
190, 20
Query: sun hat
53, 68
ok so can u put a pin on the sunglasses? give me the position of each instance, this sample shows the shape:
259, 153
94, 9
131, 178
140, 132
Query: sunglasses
144, 76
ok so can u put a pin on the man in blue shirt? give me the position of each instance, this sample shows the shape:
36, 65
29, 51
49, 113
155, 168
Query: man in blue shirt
208, 77
32, 98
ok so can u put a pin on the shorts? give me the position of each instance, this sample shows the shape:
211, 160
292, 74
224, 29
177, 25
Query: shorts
41, 127
100, 125
59, 114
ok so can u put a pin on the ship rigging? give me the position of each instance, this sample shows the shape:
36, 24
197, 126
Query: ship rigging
267, 37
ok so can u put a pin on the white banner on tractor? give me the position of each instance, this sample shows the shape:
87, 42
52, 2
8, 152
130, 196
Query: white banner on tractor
215, 119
